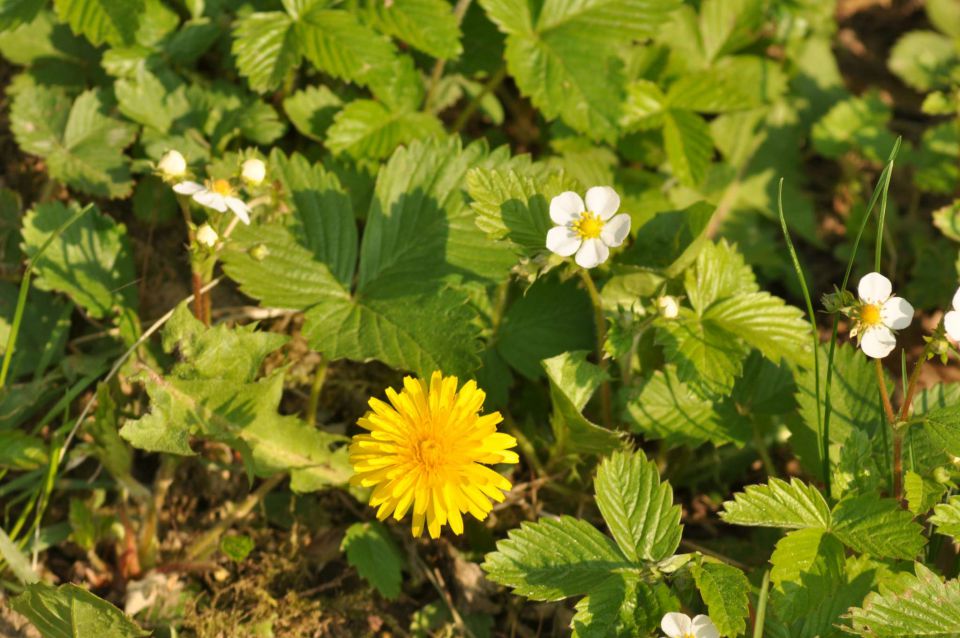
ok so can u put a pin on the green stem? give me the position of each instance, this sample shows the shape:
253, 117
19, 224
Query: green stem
601, 324
762, 606
319, 377
435, 76
491, 85
762, 451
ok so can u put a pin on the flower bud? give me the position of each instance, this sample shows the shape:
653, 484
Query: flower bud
259, 252
253, 171
668, 307
207, 236
172, 165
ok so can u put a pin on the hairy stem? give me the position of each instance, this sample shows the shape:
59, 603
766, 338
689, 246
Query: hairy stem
897, 435
315, 389
491, 85
601, 322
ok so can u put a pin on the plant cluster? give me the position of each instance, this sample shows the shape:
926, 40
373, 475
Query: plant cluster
518, 275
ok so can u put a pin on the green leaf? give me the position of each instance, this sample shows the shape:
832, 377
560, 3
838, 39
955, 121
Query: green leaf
923, 606
311, 110
515, 206
707, 356
622, 606
553, 559
368, 129
793, 505
83, 146
427, 25
921, 494
667, 409
946, 517
572, 382
69, 611
17, 560
212, 393
725, 590
706, 92
372, 551
324, 214
808, 565
552, 317
114, 22
935, 170
877, 526
43, 330
637, 507
644, 105
687, 142
943, 426
14, 13
563, 54
766, 323
339, 45
925, 60
719, 272
672, 240
266, 48
21, 451
858, 123
421, 330
237, 546
91, 261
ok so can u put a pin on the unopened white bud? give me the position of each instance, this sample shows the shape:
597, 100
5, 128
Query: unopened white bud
207, 236
172, 165
253, 171
668, 306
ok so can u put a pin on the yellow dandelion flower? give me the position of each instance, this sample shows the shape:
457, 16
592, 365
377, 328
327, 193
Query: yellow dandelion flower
427, 449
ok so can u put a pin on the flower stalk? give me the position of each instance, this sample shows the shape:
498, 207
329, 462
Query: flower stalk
601, 321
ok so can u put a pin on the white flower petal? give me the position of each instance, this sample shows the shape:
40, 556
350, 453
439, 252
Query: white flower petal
874, 288
956, 300
592, 253
616, 230
703, 627
565, 208
951, 323
210, 200
239, 208
896, 313
676, 625
877, 342
603, 201
188, 188
563, 241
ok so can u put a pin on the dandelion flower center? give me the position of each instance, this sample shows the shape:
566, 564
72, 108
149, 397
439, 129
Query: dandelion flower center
588, 226
221, 187
429, 449
870, 315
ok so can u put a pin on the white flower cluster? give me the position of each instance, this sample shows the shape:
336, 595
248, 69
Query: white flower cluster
218, 194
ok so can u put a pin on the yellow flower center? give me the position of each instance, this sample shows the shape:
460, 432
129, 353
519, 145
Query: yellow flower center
588, 226
430, 454
221, 187
870, 315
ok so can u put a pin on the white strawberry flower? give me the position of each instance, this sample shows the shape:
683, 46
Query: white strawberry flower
951, 320
253, 171
668, 306
207, 236
878, 315
218, 195
677, 625
172, 165
589, 230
